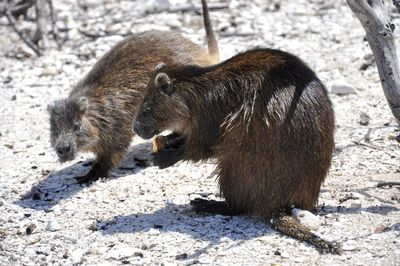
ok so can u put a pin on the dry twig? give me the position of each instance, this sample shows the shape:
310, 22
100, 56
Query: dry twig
389, 184
23, 37
17, 10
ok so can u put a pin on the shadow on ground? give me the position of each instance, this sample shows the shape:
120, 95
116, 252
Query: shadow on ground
382, 209
180, 219
62, 184
212, 229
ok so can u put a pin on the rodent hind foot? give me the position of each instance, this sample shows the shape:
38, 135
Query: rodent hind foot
212, 207
89, 178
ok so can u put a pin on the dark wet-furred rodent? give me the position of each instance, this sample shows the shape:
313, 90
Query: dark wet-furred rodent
97, 114
267, 120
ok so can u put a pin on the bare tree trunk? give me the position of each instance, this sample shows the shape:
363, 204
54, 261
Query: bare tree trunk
43, 22
374, 18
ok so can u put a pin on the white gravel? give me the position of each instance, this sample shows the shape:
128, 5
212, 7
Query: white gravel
141, 216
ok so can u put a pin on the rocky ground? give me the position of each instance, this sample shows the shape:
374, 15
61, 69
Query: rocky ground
141, 215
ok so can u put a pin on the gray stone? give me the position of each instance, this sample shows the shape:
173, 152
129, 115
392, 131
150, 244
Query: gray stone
342, 87
350, 245
119, 252
76, 256
53, 226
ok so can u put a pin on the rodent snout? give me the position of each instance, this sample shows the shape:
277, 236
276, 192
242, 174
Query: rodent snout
143, 131
136, 127
64, 151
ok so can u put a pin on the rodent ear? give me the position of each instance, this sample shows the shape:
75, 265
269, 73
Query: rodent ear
50, 107
163, 83
160, 66
83, 104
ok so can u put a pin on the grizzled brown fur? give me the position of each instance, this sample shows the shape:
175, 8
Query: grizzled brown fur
264, 116
95, 117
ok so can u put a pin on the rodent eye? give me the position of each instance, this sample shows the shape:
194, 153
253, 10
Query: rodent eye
147, 107
164, 88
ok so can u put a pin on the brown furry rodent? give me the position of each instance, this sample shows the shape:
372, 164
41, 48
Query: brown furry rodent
96, 115
266, 118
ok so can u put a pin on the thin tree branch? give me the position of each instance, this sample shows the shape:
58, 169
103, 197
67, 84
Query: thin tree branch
17, 9
389, 184
23, 37
54, 30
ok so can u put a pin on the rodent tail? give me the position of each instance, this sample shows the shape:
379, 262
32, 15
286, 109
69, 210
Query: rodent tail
211, 40
290, 226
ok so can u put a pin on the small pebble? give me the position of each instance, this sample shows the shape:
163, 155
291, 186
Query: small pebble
154, 232
76, 257
53, 226
70, 239
349, 245
356, 205
30, 228
7, 80
119, 252
9, 146
299, 259
49, 71
138, 254
364, 119
182, 256
98, 250
285, 254
342, 87
369, 60
157, 5
204, 259
93, 226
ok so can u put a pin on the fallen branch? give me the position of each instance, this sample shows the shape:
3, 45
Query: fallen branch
374, 18
389, 184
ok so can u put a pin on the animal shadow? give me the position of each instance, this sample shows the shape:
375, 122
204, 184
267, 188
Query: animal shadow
180, 219
382, 209
62, 184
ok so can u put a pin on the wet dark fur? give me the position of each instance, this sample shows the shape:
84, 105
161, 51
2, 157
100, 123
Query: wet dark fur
264, 116
113, 88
